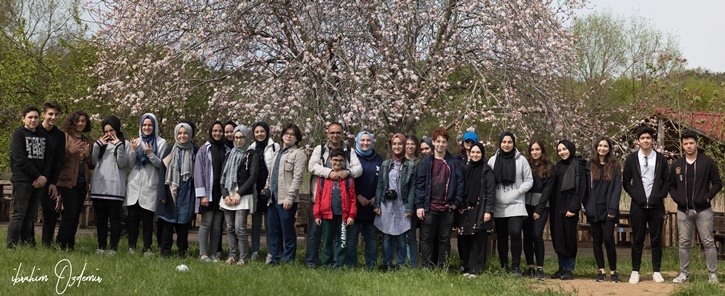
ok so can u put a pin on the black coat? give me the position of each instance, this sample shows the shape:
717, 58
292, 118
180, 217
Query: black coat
569, 190
471, 221
632, 181
707, 183
603, 198
246, 174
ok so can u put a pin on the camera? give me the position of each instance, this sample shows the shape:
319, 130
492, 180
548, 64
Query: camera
265, 194
391, 194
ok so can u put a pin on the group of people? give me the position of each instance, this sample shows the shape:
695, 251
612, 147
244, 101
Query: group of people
420, 187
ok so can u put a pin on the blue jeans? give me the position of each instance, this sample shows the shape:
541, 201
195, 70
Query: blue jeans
566, 263
412, 238
402, 250
314, 237
370, 236
282, 235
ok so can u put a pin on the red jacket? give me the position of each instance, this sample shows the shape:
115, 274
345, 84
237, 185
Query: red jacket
323, 204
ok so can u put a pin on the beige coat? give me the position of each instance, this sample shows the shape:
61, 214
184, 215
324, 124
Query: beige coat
290, 173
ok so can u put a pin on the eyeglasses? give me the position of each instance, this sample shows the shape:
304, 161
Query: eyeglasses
337, 160
289, 134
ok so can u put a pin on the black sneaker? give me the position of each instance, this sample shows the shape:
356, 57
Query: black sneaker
540, 274
567, 275
517, 272
531, 273
601, 277
615, 278
557, 274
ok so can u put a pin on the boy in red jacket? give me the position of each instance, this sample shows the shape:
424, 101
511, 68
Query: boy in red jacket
335, 210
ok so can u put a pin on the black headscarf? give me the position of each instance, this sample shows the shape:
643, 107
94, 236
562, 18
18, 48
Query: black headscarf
572, 150
218, 150
227, 142
472, 181
115, 123
260, 145
504, 169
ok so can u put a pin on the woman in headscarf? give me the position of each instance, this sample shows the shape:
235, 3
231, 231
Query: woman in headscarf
177, 206
238, 180
537, 206
144, 182
108, 184
469, 138
365, 188
426, 146
570, 187
513, 180
394, 201
474, 218
207, 181
264, 146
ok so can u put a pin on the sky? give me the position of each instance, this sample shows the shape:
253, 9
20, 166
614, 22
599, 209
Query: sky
698, 24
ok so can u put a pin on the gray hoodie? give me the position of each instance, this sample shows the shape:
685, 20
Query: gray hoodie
109, 176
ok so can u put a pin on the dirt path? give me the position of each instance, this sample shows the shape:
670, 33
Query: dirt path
586, 286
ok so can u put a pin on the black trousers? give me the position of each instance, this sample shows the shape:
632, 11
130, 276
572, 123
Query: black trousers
72, 199
50, 217
108, 211
640, 219
603, 232
26, 200
167, 238
534, 236
505, 228
138, 215
472, 249
436, 231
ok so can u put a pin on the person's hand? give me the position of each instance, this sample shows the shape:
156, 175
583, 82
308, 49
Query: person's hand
453, 207
408, 215
486, 217
421, 214
363, 201
610, 216
350, 221
377, 211
343, 174
460, 211
204, 201
147, 149
536, 216
163, 201
335, 176
58, 205
134, 144
228, 200
52, 191
287, 206
318, 222
114, 140
104, 140
569, 214
74, 148
371, 201
40, 182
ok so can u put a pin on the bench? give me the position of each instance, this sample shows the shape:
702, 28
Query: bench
301, 221
718, 229
6, 208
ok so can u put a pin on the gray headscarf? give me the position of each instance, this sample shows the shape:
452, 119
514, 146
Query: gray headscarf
236, 155
174, 173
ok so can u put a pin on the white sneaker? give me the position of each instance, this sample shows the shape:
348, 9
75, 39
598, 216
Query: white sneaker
148, 253
682, 278
657, 278
713, 279
634, 278
471, 276
109, 252
268, 260
99, 251
131, 251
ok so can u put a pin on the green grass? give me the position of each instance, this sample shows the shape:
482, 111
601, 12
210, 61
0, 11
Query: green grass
125, 274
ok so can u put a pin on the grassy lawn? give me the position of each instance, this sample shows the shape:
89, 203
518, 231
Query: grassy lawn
125, 274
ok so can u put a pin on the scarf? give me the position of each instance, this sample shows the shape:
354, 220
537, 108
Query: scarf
234, 159
227, 142
398, 157
115, 123
360, 151
472, 181
572, 150
504, 169
141, 158
218, 150
175, 173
